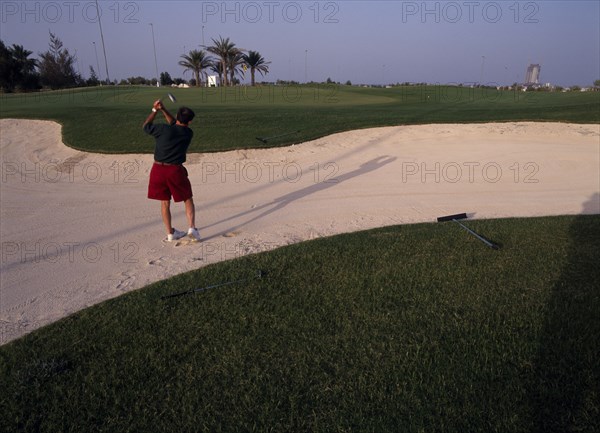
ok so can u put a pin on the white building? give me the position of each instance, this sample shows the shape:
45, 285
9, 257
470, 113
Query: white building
212, 81
533, 74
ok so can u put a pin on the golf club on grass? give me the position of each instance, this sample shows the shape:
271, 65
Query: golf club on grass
461, 216
266, 139
260, 274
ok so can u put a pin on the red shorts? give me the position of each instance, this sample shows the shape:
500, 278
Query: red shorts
167, 180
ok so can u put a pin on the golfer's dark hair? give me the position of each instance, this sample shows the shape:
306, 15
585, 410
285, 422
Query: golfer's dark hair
185, 115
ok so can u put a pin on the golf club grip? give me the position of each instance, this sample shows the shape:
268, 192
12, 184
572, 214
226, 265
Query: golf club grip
176, 295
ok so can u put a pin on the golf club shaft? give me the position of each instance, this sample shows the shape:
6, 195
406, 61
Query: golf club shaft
214, 286
202, 289
265, 139
282, 135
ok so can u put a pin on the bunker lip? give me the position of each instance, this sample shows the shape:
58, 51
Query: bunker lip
77, 228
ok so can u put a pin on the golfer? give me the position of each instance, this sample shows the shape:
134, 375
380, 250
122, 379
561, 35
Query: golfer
168, 177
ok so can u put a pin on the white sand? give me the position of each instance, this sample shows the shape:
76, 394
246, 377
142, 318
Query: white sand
77, 228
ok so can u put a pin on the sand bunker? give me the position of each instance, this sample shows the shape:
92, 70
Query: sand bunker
77, 228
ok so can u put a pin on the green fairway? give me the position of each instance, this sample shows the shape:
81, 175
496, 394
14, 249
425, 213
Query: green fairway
401, 329
109, 119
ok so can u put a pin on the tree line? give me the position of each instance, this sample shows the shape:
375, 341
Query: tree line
55, 68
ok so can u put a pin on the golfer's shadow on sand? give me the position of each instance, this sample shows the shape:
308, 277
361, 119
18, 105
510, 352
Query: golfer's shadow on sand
281, 202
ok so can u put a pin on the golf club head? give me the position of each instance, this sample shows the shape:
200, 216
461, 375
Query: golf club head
171, 97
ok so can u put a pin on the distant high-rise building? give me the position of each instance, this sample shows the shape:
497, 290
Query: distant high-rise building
533, 74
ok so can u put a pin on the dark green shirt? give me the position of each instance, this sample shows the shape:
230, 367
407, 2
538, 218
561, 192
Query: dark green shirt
172, 142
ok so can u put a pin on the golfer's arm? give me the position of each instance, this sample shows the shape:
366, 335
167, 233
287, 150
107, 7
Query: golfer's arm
168, 117
150, 119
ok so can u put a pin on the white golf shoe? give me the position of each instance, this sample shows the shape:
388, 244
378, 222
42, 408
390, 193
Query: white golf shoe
175, 235
194, 234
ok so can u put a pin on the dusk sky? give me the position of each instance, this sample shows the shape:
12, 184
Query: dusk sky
372, 42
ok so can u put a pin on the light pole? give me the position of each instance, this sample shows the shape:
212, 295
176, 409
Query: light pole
97, 62
305, 66
482, 69
103, 46
155, 60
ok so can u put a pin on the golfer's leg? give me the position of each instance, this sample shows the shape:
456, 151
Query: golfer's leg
166, 215
190, 212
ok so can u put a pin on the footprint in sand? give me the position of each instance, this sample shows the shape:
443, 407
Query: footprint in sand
185, 242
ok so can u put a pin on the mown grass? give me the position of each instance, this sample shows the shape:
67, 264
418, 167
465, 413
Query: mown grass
401, 329
108, 119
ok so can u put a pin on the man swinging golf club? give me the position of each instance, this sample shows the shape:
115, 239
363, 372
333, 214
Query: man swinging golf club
168, 176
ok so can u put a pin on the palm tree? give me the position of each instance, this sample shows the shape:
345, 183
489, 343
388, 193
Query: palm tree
223, 49
256, 62
16, 68
196, 61
21, 55
234, 61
